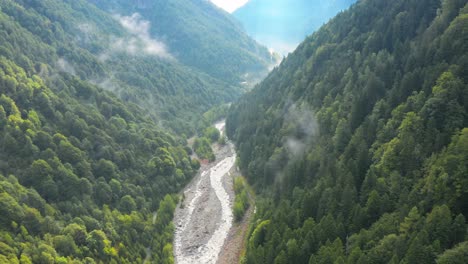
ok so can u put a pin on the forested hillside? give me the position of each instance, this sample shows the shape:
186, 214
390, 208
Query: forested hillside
200, 35
358, 142
114, 51
85, 172
82, 174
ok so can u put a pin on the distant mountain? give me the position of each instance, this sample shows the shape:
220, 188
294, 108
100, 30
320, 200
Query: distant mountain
357, 144
199, 35
283, 24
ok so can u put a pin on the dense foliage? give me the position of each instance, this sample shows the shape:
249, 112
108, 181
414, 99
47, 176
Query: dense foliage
114, 52
202, 147
201, 35
358, 141
81, 181
213, 115
211, 133
85, 173
242, 199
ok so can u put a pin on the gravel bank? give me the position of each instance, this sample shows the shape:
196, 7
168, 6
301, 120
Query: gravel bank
204, 218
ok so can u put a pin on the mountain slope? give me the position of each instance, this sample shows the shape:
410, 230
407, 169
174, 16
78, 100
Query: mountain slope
357, 141
86, 163
81, 173
284, 24
200, 35
117, 53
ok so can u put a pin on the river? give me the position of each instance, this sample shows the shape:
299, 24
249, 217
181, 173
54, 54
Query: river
204, 217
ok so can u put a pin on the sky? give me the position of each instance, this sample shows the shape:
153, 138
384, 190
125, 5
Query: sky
229, 5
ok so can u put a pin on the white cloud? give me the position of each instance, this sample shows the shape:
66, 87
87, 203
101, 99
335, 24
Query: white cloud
229, 5
278, 45
65, 66
303, 120
140, 41
86, 28
107, 84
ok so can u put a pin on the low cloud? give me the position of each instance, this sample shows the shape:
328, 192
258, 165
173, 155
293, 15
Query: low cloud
64, 66
140, 41
301, 128
86, 28
277, 44
304, 127
106, 84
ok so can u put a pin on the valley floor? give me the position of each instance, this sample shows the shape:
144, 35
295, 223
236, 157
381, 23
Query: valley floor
204, 219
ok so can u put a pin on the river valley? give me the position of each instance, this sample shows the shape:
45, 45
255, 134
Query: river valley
204, 217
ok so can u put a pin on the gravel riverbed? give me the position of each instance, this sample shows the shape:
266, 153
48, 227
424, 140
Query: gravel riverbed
204, 218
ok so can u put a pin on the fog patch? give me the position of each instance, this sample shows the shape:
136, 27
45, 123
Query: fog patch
300, 128
87, 29
64, 66
106, 84
294, 146
278, 45
140, 41
302, 125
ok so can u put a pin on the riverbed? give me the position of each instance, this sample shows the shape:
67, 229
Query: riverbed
204, 217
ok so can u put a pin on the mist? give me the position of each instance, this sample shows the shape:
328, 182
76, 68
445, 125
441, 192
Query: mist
64, 66
140, 41
300, 127
304, 126
106, 83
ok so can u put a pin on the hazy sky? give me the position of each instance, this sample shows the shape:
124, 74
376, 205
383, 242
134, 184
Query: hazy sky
229, 5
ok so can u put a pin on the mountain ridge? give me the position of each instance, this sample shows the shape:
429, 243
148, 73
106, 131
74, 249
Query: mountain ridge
348, 140
105, 43
218, 46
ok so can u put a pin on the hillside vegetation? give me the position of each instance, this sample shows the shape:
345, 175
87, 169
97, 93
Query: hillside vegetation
358, 142
200, 35
82, 174
87, 162
115, 52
